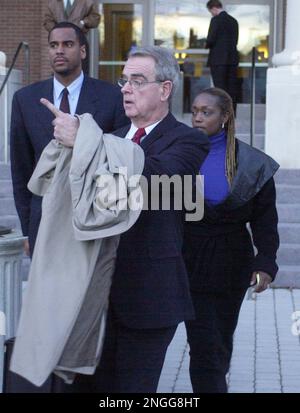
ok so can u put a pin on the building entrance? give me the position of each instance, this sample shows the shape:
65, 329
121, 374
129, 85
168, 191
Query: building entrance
183, 27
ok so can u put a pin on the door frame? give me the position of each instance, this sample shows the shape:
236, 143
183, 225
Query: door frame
147, 17
147, 35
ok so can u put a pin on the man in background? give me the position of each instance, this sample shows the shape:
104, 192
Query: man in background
83, 13
223, 58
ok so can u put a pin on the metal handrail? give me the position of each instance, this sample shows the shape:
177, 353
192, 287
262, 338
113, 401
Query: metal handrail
253, 95
24, 45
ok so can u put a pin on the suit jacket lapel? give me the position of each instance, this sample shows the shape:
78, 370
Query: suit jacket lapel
73, 7
87, 98
164, 126
44, 116
122, 132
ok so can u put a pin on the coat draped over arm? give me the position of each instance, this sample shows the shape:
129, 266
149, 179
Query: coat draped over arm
86, 192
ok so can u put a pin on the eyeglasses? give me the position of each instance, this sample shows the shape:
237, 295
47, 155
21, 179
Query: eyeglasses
135, 83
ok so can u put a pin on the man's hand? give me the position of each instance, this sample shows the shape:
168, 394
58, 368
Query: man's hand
262, 281
26, 247
65, 125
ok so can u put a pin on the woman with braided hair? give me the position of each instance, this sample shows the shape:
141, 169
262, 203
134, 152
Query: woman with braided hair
219, 255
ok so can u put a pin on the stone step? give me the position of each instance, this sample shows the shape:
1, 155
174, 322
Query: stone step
289, 233
288, 277
11, 221
288, 194
288, 213
288, 176
5, 171
288, 254
7, 207
6, 189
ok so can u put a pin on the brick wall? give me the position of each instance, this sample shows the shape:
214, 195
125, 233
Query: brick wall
22, 20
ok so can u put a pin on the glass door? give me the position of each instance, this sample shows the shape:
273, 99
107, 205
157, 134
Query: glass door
122, 27
256, 29
183, 26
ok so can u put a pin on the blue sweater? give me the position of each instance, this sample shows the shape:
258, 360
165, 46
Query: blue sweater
216, 186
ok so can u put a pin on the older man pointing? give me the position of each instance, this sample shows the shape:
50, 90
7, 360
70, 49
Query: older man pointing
149, 293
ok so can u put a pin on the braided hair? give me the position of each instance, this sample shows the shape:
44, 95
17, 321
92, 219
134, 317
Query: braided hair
224, 102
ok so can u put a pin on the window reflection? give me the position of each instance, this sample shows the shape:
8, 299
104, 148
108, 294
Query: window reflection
254, 24
181, 25
254, 29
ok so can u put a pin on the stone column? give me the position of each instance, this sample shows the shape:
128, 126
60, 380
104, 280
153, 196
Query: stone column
283, 96
11, 250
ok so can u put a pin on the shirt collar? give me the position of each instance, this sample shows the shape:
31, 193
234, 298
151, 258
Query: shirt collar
134, 128
72, 88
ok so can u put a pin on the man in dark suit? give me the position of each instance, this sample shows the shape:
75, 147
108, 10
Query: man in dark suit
31, 122
223, 57
150, 292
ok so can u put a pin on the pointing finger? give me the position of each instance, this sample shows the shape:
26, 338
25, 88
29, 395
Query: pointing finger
56, 112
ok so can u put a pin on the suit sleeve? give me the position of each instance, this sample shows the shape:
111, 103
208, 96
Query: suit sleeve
264, 224
92, 18
22, 164
212, 33
49, 19
182, 157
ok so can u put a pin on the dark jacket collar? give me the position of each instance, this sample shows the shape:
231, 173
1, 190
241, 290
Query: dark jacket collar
254, 169
45, 117
87, 98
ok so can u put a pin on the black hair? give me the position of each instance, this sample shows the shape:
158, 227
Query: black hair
214, 3
68, 25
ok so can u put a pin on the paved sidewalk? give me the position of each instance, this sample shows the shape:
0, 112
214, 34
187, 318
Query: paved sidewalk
266, 356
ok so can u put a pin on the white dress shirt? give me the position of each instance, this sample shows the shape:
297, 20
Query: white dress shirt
74, 91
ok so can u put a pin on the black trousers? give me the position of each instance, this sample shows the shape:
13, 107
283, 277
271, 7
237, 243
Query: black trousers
210, 337
131, 362
225, 77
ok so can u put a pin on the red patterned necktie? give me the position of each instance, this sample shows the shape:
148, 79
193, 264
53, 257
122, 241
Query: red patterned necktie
64, 104
138, 135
